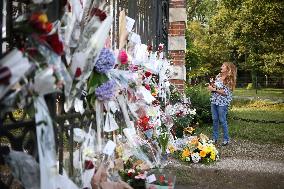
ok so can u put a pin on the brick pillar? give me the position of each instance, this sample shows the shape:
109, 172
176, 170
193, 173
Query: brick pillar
176, 41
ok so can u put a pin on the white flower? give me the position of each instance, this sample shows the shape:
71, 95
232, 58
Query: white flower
195, 157
192, 112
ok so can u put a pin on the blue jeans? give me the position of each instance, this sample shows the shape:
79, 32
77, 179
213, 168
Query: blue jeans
219, 114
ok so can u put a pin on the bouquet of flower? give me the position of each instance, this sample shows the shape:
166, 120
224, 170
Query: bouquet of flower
183, 116
133, 174
196, 149
159, 179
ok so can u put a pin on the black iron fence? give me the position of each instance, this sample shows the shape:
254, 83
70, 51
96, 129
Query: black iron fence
19, 133
151, 19
261, 81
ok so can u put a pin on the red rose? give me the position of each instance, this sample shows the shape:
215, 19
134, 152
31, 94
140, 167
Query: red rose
55, 43
161, 47
48, 27
148, 74
34, 17
145, 120
147, 86
162, 179
150, 48
130, 174
89, 164
78, 72
99, 13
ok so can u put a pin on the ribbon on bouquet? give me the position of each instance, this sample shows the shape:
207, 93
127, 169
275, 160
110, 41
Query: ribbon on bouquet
49, 176
99, 121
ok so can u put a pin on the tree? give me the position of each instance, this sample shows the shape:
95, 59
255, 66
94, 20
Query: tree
247, 32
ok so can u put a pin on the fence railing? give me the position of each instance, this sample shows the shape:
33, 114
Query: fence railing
151, 24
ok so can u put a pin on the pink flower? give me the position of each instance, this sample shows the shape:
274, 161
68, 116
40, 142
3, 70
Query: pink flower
123, 57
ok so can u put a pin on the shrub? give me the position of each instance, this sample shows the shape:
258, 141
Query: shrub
200, 99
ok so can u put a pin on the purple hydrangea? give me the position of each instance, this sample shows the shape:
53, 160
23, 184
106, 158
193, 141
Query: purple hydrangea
106, 91
105, 61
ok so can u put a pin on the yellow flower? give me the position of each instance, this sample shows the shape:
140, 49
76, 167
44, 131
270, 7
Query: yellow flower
208, 149
201, 147
202, 153
43, 18
119, 150
188, 130
185, 153
213, 156
172, 149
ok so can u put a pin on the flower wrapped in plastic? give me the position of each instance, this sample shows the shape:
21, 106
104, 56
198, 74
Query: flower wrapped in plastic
145, 150
13, 67
24, 167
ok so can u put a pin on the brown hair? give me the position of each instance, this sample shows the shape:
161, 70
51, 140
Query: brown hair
231, 75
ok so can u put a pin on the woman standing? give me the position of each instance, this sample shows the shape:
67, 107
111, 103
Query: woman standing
221, 97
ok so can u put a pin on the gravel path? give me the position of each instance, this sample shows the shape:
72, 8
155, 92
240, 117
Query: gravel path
242, 165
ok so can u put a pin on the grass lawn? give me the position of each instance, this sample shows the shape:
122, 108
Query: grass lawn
255, 132
268, 93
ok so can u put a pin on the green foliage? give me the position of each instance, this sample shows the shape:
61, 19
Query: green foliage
181, 123
249, 33
255, 132
175, 95
163, 138
200, 99
268, 93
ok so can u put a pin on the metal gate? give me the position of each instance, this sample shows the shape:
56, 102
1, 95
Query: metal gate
151, 24
151, 19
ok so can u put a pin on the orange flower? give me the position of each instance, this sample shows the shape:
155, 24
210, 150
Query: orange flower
202, 153
185, 153
194, 141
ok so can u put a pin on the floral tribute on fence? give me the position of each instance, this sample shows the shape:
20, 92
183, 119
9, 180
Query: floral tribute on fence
134, 131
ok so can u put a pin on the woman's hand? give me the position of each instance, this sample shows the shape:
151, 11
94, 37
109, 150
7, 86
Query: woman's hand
211, 88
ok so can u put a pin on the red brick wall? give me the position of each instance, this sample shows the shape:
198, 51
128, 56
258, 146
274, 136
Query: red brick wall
177, 29
177, 3
178, 57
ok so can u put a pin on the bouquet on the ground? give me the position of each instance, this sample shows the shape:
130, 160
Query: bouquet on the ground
160, 179
195, 149
134, 173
